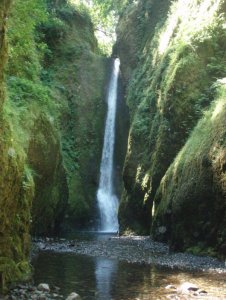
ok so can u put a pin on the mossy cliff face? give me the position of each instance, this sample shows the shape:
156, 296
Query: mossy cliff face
4, 7
78, 75
180, 57
32, 115
51, 124
57, 107
191, 200
16, 187
44, 155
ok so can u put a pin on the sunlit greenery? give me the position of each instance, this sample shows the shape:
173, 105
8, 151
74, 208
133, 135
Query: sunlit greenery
26, 49
171, 60
105, 15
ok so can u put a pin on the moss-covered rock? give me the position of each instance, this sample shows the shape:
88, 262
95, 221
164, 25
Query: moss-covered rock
51, 193
56, 107
32, 115
78, 75
191, 200
16, 188
51, 124
180, 55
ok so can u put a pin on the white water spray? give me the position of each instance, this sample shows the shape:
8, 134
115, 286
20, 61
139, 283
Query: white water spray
107, 200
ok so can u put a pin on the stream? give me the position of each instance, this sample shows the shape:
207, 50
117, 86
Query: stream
103, 267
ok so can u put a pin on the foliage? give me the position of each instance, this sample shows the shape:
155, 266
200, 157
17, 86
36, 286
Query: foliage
104, 16
108, 6
171, 73
192, 181
51, 124
26, 49
26, 92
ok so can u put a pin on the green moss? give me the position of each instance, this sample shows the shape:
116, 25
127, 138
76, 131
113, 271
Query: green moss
11, 271
50, 200
169, 89
15, 216
78, 76
51, 124
197, 250
16, 190
190, 202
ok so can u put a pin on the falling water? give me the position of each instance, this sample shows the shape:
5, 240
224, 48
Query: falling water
107, 200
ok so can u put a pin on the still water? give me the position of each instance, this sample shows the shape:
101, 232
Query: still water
105, 279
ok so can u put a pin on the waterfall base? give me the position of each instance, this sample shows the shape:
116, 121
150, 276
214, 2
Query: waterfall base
108, 207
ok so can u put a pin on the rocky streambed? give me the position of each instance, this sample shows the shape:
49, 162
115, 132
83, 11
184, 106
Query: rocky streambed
133, 249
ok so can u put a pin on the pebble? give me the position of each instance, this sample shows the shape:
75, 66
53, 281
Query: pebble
73, 296
185, 289
28, 291
135, 249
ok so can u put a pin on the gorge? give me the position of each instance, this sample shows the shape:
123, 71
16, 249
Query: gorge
164, 172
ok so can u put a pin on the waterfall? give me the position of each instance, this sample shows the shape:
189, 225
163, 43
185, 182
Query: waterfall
106, 199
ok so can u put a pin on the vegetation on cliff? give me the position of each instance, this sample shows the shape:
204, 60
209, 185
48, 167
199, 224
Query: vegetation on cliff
172, 55
190, 202
51, 123
15, 180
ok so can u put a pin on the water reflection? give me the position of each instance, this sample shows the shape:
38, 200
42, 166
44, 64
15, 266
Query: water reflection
105, 279
106, 271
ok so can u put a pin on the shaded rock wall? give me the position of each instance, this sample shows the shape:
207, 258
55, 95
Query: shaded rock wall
16, 187
79, 80
44, 156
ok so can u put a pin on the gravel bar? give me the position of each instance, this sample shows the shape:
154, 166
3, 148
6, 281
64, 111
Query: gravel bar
133, 249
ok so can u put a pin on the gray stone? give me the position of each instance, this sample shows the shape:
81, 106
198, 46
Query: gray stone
44, 287
73, 296
170, 287
162, 229
202, 292
55, 295
42, 297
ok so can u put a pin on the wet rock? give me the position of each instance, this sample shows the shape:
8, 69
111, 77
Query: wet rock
73, 296
170, 287
200, 293
187, 288
43, 287
30, 292
42, 297
162, 229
